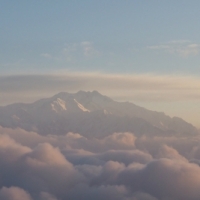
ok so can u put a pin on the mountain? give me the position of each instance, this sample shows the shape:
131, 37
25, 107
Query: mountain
90, 114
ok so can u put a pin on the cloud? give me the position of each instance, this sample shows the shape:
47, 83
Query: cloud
53, 167
47, 196
40, 156
46, 55
68, 53
10, 150
164, 178
183, 48
99, 193
142, 196
137, 87
14, 193
72, 52
170, 153
89, 49
126, 156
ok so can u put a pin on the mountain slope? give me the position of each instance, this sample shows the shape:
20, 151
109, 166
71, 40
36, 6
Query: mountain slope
90, 114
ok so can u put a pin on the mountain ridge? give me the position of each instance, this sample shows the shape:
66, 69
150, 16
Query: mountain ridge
89, 113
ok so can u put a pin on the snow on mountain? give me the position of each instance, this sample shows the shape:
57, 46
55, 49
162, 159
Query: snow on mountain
81, 106
58, 105
90, 114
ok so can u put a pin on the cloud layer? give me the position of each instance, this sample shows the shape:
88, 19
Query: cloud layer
120, 166
143, 87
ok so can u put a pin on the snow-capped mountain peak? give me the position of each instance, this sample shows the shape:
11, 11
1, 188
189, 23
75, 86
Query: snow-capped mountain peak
81, 106
89, 113
58, 105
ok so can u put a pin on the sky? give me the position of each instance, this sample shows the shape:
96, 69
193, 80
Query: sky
146, 52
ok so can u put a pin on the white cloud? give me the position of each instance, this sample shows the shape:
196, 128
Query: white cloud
46, 55
73, 52
68, 53
88, 49
183, 48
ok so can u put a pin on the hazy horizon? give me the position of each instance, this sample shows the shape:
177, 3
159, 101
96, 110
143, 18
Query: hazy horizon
174, 95
85, 146
155, 44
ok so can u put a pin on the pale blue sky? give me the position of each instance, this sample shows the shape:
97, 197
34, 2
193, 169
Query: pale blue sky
115, 36
144, 51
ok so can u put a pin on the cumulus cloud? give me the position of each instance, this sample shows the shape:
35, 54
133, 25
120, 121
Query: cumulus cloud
120, 166
14, 193
10, 150
164, 178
